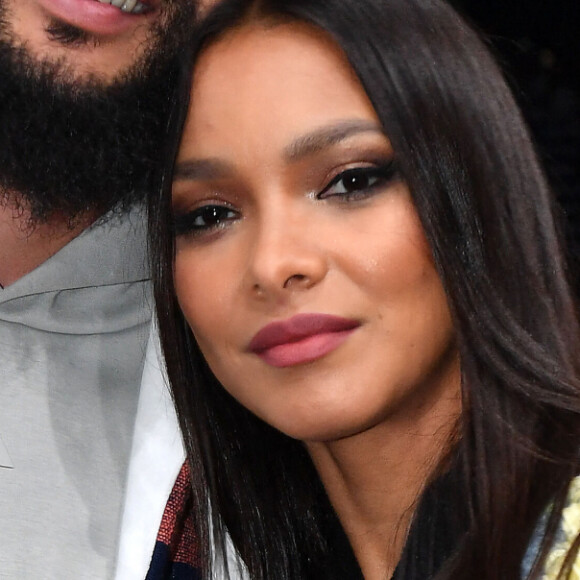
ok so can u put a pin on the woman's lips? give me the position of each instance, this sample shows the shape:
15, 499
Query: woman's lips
301, 339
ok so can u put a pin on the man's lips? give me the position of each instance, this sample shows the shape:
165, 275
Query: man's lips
98, 18
300, 339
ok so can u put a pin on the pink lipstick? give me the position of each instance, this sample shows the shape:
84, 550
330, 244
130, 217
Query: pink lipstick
301, 339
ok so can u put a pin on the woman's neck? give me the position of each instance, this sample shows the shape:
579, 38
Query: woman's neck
374, 478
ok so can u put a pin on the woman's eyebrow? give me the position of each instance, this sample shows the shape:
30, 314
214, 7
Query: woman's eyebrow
196, 169
326, 136
215, 168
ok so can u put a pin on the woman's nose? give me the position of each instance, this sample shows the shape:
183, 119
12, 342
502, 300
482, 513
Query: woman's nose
286, 256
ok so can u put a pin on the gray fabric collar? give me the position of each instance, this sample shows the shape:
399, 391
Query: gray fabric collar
98, 257
97, 284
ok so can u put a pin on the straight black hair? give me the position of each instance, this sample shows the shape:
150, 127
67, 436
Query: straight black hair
488, 216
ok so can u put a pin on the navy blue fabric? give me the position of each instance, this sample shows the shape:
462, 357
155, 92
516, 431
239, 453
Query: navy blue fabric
162, 568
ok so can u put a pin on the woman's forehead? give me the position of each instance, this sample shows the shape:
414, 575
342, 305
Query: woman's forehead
282, 81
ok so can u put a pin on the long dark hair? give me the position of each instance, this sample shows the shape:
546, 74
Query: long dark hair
488, 216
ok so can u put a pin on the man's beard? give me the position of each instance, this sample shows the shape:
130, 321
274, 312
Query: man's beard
71, 148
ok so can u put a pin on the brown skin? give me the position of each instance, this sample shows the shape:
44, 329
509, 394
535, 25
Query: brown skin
377, 412
104, 59
23, 247
374, 478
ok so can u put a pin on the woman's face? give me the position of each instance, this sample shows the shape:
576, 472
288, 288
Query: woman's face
301, 264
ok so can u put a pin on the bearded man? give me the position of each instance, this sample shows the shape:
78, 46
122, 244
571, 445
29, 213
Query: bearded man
84, 88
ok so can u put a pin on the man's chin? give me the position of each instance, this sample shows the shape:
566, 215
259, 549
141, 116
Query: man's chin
83, 147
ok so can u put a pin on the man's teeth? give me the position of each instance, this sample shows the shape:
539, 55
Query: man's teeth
129, 6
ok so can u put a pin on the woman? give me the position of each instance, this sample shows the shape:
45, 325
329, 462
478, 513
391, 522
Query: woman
373, 347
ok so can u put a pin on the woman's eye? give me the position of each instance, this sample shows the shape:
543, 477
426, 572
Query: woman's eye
202, 219
359, 181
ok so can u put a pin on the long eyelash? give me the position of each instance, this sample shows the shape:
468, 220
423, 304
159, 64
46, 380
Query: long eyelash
389, 169
386, 170
182, 225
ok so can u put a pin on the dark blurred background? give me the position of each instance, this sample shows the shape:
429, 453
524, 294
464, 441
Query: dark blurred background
538, 43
